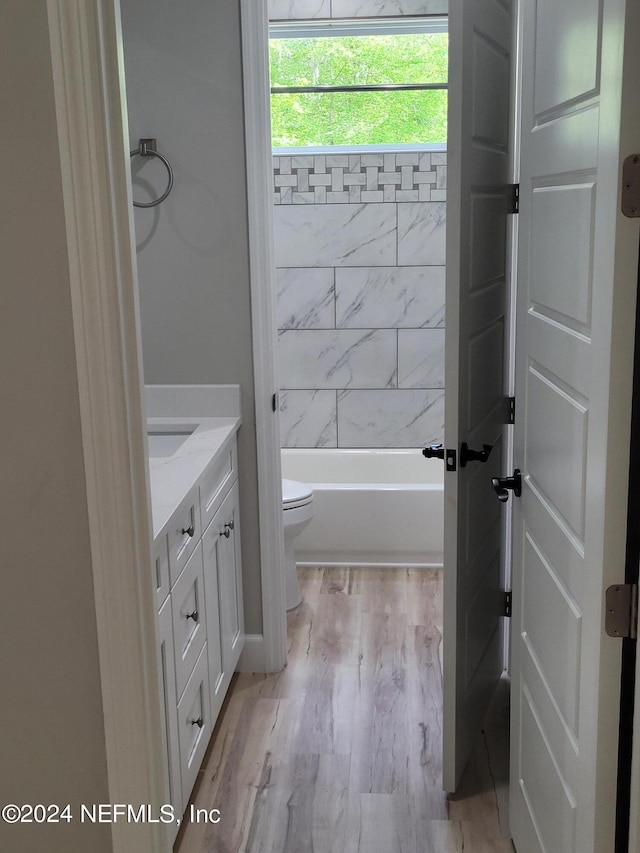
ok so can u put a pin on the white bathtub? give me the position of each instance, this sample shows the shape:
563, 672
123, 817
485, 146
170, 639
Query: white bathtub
373, 507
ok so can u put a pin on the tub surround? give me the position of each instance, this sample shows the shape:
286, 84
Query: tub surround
404, 176
301, 9
361, 298
360, 244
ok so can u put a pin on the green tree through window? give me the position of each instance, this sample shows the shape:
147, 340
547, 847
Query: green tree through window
329, 118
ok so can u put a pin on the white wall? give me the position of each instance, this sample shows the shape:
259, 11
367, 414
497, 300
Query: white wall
184, 87
52, 746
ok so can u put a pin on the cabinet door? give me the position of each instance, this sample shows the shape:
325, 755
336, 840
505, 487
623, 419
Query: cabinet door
223, 596
169, 700
231, 605
194, 724
211, 555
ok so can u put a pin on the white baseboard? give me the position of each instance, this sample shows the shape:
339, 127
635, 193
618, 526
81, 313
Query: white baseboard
252, 658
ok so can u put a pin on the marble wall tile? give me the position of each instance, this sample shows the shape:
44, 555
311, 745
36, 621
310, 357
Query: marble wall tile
305, 298
421, 233
403, 418
390, 297
372, 8
337, 235
293, 9
421, 358
308, 419
354, 178
338, 359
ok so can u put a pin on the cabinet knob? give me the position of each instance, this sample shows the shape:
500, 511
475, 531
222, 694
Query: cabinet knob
199, 722
193, 616
228, 527
189, 530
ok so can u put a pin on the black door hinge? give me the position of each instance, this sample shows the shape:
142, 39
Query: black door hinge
514, 198
511, 410
274, 403
506, 604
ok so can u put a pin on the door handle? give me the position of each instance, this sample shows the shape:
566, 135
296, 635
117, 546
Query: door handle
502, 485
468, 455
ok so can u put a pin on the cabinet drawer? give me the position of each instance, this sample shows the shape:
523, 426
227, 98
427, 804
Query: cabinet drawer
215, 484
194, 724
188, 612
184, 534
161, 569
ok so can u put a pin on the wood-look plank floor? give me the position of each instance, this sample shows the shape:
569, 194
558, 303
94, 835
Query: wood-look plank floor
341, 752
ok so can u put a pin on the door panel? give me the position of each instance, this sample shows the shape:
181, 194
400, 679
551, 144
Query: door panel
566, 52
571, 422
552, 621
562, 224
478, 174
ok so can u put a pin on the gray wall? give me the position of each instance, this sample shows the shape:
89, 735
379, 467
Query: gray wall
184, 87
52, 747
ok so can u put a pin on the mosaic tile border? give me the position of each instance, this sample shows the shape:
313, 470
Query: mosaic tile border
359, 178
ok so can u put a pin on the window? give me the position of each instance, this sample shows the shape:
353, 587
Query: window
349, 84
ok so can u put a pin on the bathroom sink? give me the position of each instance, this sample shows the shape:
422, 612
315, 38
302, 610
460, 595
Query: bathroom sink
166, 442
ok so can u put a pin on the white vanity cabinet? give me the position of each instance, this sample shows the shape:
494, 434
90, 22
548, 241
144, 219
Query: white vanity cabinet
198, 581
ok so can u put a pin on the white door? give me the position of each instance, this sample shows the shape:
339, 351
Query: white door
577, 273
479, 167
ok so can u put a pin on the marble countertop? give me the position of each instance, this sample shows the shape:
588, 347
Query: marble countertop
182, 448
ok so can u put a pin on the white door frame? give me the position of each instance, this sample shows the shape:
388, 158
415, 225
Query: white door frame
257, 111
92, 132
86, 49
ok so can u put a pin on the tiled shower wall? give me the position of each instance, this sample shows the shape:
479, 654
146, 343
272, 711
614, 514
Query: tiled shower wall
360, 254
295, 9
360, 251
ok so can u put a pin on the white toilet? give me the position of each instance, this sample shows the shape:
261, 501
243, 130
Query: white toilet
297, 512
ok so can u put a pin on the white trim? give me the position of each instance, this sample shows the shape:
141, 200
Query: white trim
400, 147
86, 60
255, 64
252, 656
321, 28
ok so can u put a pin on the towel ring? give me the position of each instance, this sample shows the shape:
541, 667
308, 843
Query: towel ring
147, 148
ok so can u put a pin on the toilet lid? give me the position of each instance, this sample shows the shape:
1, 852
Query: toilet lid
295, 493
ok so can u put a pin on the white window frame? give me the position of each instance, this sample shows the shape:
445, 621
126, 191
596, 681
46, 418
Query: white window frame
381, 26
